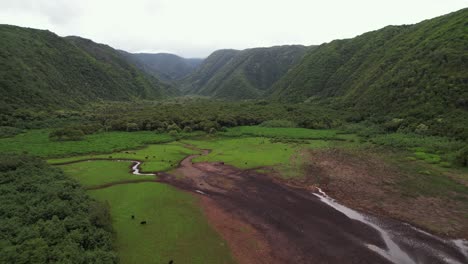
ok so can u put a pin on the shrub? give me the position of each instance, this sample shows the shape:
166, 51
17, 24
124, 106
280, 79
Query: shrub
462, 157
278, 123
173, 133
6, 131
212, 131
66, 134
132, 127
174, 127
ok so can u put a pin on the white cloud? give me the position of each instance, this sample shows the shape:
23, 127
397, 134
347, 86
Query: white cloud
196, 28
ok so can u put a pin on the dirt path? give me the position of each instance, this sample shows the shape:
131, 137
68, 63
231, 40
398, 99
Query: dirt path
292, 225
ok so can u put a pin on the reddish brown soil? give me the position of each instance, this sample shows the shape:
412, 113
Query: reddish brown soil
291, 225
246, 244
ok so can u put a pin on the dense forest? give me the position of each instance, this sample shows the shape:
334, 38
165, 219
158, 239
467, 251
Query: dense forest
409, 79
42, 70
46, 217
406, 72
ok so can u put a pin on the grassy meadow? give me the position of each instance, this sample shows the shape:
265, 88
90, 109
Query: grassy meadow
156, 157
176, 228
98, 172
37, 142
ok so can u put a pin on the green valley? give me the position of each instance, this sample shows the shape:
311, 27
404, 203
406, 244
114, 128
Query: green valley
350, 151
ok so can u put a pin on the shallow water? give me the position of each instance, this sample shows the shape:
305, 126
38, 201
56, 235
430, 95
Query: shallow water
393, 252
136, 169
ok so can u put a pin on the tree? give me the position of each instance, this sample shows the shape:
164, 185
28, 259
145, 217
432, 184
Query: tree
462, 157
66, 134
132, 127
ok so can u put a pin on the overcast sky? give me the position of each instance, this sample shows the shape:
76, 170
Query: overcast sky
198, 27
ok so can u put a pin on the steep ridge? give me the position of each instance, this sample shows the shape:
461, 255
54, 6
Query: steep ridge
412, 70
245, 74
207, 70
40, 69
164, 66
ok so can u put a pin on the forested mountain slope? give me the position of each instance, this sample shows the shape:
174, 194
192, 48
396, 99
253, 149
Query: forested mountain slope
164, 66
418, 71
245, 74
207, 70
40, 69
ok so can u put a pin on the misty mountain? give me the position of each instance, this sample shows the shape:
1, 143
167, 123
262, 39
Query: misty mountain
164, 66
244, 74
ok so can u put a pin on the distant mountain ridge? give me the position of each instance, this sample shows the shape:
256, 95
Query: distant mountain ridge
397, 72
40, 69
242, 74
164, 66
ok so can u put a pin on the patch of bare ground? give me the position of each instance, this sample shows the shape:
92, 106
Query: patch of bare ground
246, 244
365, 181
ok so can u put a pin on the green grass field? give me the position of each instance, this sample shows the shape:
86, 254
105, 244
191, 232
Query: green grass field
158, 157
292, 133
36, 142
440, 151
176, 228
245, 152
253, 152
92, 173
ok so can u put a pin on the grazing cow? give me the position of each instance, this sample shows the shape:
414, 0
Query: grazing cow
143, 223
171, 262
133, 217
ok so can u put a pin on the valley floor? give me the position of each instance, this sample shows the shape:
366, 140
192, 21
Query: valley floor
247, 197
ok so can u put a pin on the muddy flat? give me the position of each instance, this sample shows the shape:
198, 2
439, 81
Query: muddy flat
266, 221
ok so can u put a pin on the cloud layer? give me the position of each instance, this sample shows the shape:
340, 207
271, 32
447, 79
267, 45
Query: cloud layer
196, 28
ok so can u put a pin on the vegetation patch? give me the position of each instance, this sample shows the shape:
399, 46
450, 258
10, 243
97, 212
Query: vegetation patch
175, 228
245, 152
6, 131
278, 123
98, 172
47, 217
37, 142
281, 132
159, 157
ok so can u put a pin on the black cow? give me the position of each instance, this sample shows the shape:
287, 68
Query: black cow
143, 223
171, 262
133, 217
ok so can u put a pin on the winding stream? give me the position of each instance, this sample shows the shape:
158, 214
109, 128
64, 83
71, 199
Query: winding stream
136, 168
